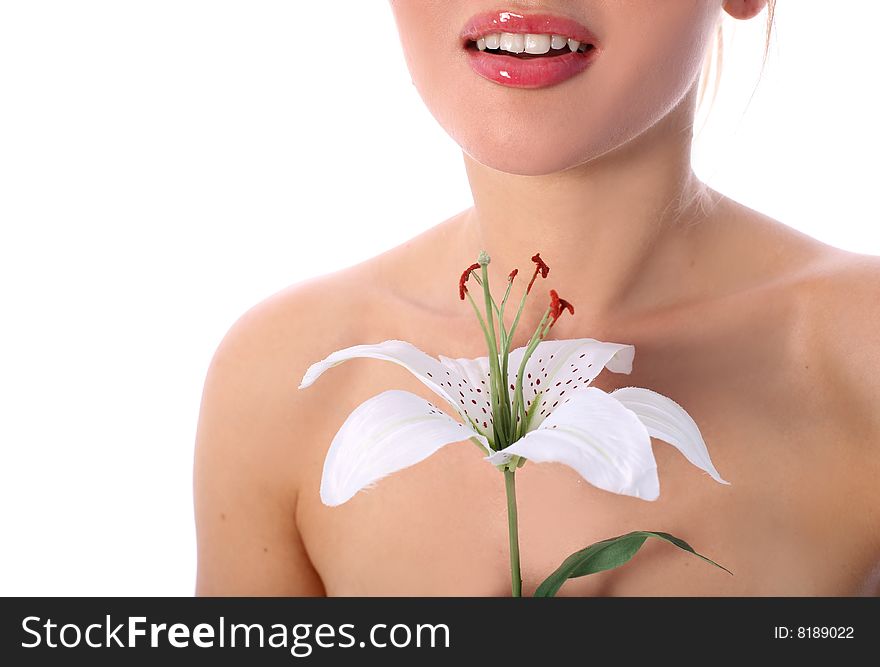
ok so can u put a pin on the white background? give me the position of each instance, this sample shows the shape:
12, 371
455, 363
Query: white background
166, 164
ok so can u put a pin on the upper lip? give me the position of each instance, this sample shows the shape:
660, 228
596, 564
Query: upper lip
486, 23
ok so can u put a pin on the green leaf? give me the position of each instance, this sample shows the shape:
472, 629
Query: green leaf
606, 555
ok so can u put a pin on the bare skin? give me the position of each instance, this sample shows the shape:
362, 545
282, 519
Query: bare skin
767, 337
777, 363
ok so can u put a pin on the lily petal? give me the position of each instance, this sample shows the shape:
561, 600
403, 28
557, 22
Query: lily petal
668, 421
384, 434
606, 443
426, 368
473, 389
559, 367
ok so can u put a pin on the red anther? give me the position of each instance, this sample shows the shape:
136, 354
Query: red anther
464, 276
565, 305
557, 306
512, 275
540, 267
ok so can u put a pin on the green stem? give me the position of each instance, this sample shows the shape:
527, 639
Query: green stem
493, 437
519, 409
519, 312
504, 302
505, 353
494, 367
513, 531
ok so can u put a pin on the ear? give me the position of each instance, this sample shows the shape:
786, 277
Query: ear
744, 9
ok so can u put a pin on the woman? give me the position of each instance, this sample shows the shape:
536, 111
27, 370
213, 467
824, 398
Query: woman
576, 143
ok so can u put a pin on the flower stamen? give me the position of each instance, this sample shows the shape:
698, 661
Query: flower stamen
557, 306
540, 267
464, 276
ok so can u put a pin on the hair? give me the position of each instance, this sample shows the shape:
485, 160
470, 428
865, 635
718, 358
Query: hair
714, 60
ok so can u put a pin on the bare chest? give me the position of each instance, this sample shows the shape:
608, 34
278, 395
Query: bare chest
787, 525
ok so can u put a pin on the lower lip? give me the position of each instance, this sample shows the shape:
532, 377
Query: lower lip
529, 73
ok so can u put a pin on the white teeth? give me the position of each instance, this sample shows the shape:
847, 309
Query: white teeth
537, 43
512, 42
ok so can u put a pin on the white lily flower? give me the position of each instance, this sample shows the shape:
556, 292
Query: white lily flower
553, 415
603, 436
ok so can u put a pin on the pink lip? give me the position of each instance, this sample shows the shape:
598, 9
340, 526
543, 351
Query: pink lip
527, 73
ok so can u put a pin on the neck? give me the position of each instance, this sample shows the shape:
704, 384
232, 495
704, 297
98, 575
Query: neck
609, 229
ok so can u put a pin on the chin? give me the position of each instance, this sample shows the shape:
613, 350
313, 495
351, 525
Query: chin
525, 164
527, 146
531, 158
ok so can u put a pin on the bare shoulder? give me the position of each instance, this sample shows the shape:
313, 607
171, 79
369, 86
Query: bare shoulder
252, 426
844, 297
836, 294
